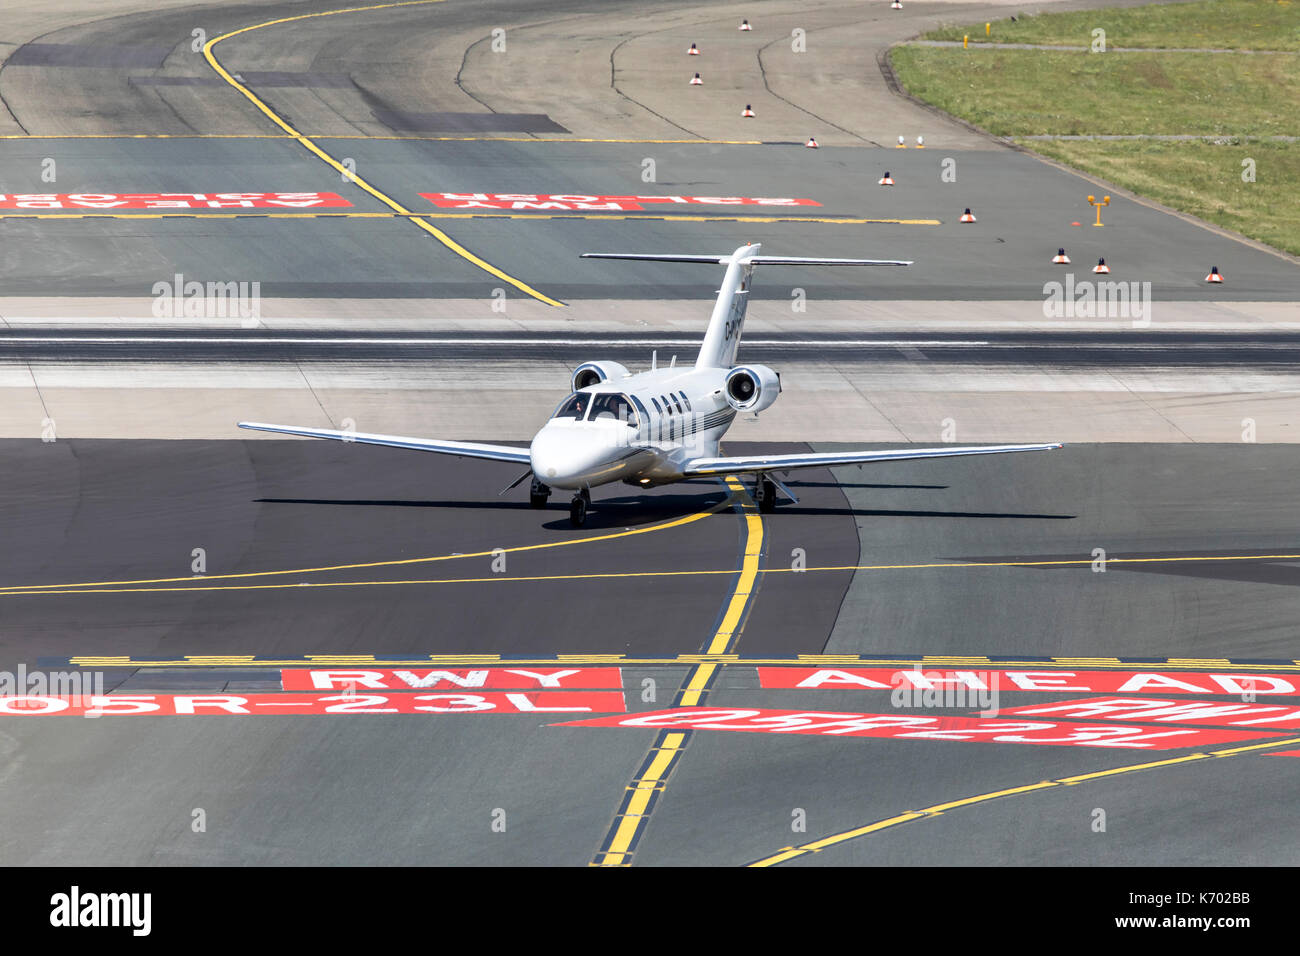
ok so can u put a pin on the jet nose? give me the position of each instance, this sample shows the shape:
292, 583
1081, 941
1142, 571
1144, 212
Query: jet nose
551, 456
570, 457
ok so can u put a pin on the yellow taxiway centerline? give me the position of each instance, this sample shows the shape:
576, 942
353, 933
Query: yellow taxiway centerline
633, 814
109, 587
816, 846
627, 533
349, 174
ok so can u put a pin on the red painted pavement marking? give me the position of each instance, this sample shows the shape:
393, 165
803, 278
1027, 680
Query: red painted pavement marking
574, 202
181, 705
1283, 753
1213, 713
1096, 681
539, 678
914, 727
171, 200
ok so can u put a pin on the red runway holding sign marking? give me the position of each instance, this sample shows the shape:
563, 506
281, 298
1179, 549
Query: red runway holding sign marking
574, 202
917, 727
1213, 713
538, 678
250, 705
172, 201
1122, 682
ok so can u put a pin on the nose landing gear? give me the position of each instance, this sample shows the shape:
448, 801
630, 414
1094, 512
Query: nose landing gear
578, 508
538, 493
765, 495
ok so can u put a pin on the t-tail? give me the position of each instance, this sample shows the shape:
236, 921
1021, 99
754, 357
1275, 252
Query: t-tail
722, 338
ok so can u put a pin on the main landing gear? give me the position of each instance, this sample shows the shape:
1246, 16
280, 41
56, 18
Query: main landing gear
578, 508
765, 494
538, 493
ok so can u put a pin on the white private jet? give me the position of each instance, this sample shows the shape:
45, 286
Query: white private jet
663, 425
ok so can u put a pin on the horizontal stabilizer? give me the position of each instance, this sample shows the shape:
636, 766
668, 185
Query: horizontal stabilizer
755, 260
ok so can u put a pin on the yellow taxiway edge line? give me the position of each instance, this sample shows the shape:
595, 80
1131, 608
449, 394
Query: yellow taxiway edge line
364, 136
682, 660
361, 214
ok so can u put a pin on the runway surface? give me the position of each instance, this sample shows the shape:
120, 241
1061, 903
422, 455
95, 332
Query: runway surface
1253, 351
218, 577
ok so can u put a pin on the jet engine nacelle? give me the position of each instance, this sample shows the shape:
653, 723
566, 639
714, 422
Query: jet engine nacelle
593, 373
752, 388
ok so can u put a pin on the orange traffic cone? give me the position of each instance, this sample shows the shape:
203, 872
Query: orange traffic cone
696, 81
812, 143
886, 181
1101, 268
1214, 275
966, 216
747, 111
1061, 259
692, 51
744, 25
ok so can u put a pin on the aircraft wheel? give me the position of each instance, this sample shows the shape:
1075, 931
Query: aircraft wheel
766, 496
578, 511
538, 494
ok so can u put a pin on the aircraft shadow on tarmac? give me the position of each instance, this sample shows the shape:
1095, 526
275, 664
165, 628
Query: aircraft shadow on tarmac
880, 513
633, 510
621, 512
853, 484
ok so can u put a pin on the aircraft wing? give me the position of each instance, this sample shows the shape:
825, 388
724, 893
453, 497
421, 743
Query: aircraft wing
697, 467
465, 449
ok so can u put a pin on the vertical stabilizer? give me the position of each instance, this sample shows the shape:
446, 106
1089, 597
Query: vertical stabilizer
728, 320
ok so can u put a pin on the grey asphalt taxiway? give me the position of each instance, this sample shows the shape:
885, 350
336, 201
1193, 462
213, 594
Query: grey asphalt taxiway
1025, 211
423, 790
171, 564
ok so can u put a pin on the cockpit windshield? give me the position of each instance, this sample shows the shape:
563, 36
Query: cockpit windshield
575, 406
613, 405
584, 406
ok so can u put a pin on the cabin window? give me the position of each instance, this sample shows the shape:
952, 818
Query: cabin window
678, 404
655, 403
686, 400
640, 407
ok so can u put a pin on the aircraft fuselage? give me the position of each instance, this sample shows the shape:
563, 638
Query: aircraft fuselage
643, 430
